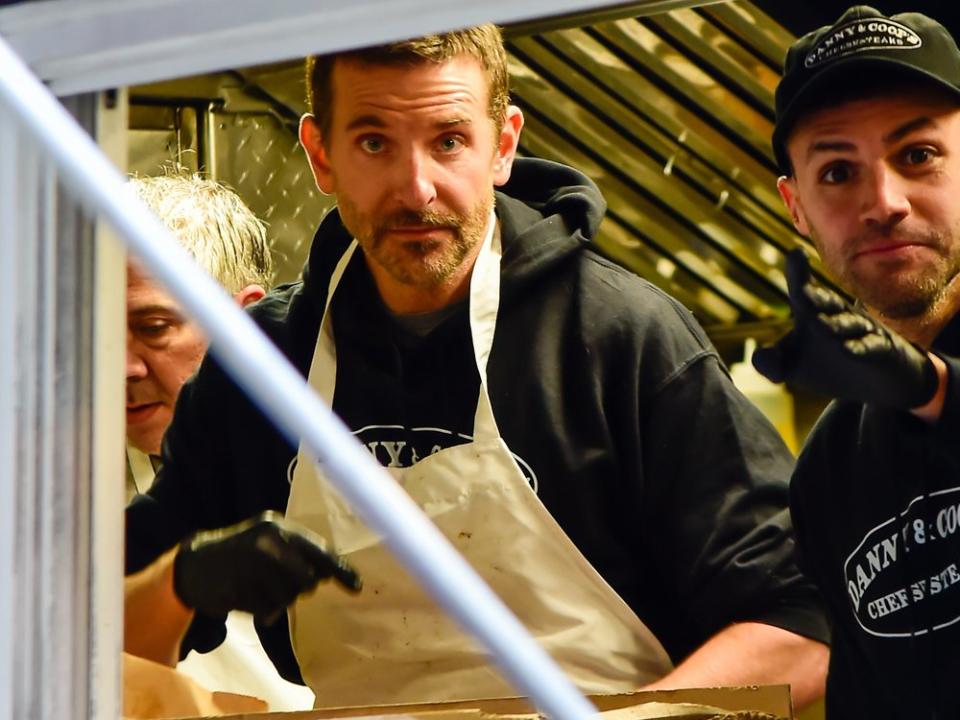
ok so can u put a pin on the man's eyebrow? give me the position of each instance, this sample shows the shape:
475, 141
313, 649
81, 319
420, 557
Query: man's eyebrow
154, 309
907, 128
458, 120
893, 136
374, 121
829, 146
362, 121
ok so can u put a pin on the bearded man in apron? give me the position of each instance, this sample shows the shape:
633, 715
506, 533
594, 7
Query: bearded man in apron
567, 425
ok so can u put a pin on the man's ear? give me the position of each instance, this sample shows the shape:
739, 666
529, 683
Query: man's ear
507, 145
249, 294
787, 186
312, 141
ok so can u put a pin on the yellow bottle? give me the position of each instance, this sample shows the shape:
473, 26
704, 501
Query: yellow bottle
772, 399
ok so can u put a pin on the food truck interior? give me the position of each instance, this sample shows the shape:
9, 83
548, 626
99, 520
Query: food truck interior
666, 104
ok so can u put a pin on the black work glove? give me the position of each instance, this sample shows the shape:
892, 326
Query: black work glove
260, 566
838, 351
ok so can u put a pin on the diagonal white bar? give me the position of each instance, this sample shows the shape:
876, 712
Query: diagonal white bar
287, 399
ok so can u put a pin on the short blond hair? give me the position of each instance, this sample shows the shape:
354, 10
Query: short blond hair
213, 224
484, 43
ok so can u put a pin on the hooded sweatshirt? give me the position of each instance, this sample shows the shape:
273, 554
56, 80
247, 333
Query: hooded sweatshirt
608, 393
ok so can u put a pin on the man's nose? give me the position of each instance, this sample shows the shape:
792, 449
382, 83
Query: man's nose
414, 181
885, 200
136, 365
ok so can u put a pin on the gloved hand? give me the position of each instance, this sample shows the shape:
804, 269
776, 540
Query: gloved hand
260, 566
838, 351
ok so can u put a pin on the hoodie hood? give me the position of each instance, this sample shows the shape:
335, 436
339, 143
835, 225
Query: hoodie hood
547, 213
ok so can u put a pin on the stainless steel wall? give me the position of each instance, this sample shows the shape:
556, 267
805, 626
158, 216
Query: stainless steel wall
239, 139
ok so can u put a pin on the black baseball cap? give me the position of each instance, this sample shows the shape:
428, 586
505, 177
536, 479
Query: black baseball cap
863, 40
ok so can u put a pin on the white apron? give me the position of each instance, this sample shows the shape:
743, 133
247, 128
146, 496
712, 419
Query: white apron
392, 643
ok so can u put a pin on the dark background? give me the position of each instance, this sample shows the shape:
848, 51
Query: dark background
801, 16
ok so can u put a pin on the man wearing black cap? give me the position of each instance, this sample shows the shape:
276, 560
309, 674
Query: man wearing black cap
868, 140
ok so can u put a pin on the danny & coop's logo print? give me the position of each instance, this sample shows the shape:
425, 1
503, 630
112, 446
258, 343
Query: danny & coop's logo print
908, 569
395, 446
860, 35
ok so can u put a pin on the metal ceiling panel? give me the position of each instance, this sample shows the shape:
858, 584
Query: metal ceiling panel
749, 26
681, 157
658, 207
671, 115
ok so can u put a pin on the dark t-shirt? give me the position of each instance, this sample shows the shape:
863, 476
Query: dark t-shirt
876, 503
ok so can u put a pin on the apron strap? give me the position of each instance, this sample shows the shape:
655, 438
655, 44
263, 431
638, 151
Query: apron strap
484, 307
325, 352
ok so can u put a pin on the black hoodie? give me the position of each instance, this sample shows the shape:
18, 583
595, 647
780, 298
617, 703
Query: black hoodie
608, 392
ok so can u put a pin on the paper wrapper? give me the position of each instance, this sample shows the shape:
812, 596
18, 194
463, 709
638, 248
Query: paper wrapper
688, 711
151, 690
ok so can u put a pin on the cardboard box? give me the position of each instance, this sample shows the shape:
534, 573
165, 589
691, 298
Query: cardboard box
742, 703
154, 691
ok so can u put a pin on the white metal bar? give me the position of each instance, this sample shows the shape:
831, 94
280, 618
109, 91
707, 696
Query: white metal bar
29, 556
109, 315
83, 45
8, 410
285, 397
45, 475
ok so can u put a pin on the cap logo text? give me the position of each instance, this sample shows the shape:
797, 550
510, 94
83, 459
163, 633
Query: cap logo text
859, 36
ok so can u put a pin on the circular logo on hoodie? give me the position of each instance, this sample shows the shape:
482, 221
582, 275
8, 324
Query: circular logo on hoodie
400, 447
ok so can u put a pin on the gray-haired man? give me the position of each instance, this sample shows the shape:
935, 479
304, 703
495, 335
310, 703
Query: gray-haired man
164, 347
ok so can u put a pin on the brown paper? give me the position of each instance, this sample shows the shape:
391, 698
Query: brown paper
770, 702
771, 699
152, 690
686, 711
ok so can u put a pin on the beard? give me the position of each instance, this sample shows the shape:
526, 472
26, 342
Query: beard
426, 263
896, 288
